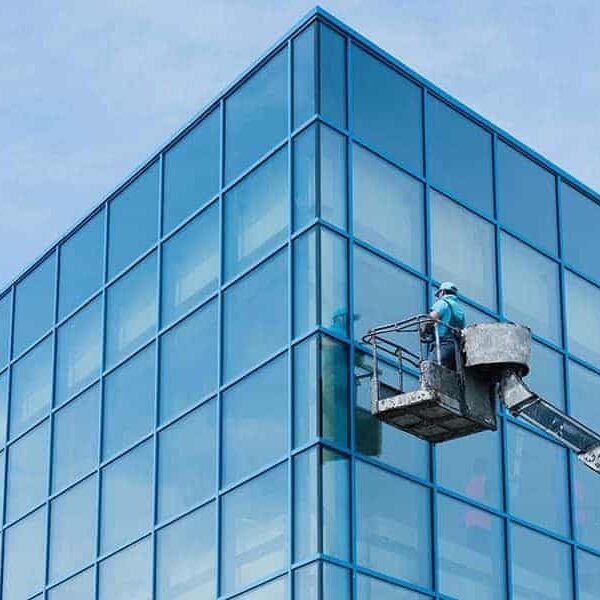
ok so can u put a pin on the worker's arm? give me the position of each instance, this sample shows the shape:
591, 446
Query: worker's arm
434, 314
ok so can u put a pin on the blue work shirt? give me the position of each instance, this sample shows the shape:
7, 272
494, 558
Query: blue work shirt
451, 313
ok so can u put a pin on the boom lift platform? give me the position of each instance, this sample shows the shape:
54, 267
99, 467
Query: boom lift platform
491, 361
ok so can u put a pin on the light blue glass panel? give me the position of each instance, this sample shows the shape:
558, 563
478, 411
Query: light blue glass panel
334, 391
583, 323
335, 582
27, 477
546, 377
31, 387
126, 503
128, 574
332, 69
388, 208
304, 76
186, 461
306, 505
305, 177
334, 281
305, 282
274, 590
80, 587
333, 176
2, 488
369, 588
254, 530
185, 557
531, 289
188, 362
532, 478
460, 156
131, 311
393, 537
81, 270
387, 110
305, 391
128, 406
257, 404
190, 265
588, 575
307, 582
24, 563
255, 316
79, 351
541, 567
256, 215
256, 116
335, 488
527, 197
191, 175
583, 388
73, 530
34, 305
5, 327
75, 439
463, 250
133, 220
3, 406
586, 488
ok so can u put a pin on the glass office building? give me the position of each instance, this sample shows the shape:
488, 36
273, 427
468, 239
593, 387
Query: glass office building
183, 390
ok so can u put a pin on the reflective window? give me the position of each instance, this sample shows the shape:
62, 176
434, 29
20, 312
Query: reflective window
334, 390
546, 377
81, 270
256, 215
2, 486
588, 575
185, 557
332, 79
463, 250
31, 393
128, 574
128, 406
388, 208
75, 439
79, 351
73, 530
334, 281
131, 311
186, 461
126, 498
394, 542
188, 362
527, 197
27, 477
254, 530
587, 509
305, 282
3, 406
531, 289
460, 156
306, 504
387, 110
133, 220
541, 567
190, 265
246, 448
274, 590
583, 386
304, 76
332, 182
532, 479
5, 321
304, 358
256, 116
255, 311
369, 588
191, 176
335, 582
34, 305
335, 487
80, 587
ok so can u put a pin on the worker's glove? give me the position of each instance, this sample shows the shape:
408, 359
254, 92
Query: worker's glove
426, 331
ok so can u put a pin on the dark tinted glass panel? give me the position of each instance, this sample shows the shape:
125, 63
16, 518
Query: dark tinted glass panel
3, 406
332, 68
334, 390
546, 377
5, 327
80, 587
303, 53
191, 175
128, 574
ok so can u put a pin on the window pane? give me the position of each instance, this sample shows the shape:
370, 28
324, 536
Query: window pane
133, 220
305, 282
31, 393
334, 390
128, 574
463, 250
305, 391
126, 498
532, 479
254, 534
472, 562
256, 116
255, 318
388, 208
335, 487
588, 575
460, 156
3, 406
305, 177
303, 52
27, 478
274, 590
80, 587
128, 412
547, 377
79, 352
5, 328
188, 362
185, 557
334, 281
256, 215
332, 67
75, 444
375, 589
131, 311
73, 530
246, 448
387, 110
187, 461
527, 197
335, 582
541, 567
191, 175
333, 176
395, 542
81, 265
531, 289
34, 305
190, 265
306, 505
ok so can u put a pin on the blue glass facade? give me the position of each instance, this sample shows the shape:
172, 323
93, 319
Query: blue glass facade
184, 402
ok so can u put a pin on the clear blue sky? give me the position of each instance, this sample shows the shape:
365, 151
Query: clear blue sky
88, 89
